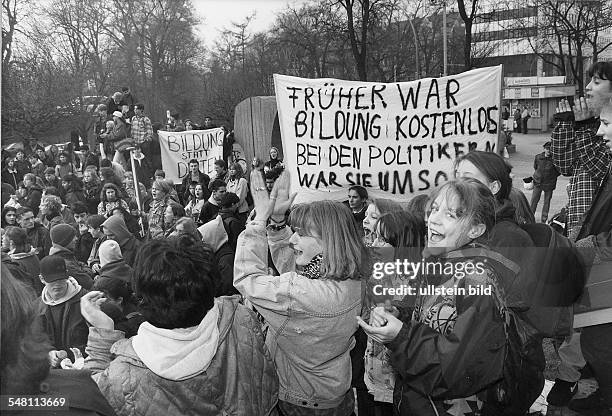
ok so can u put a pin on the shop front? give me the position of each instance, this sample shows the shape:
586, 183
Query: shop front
539, 95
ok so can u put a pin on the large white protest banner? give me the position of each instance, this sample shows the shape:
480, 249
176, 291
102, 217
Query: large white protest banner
397, 140
178, 148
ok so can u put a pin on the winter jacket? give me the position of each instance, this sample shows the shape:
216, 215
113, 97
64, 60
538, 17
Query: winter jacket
19, 273
117, 270
83, 246
30, 263
127, 242
210, 209
39, 238
73, 196
32, 198
546, 173
91, 192
12, 177
77, 269
239, 380
65, 325
82, 394
311, 321
451, 350
49, 223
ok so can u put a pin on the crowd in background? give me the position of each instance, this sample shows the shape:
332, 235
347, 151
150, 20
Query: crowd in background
132, 295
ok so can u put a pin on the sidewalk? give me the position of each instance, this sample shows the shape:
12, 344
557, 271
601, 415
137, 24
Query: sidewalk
527, 147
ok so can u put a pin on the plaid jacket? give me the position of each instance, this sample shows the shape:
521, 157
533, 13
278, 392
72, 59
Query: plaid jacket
142, 130
579, 153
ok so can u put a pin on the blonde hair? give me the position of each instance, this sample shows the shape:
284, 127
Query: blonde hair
344, 254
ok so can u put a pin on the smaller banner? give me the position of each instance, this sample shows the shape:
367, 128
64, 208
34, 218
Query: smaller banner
178, 148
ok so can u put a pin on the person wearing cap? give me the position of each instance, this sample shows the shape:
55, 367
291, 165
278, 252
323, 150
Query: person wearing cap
115, 103
63, 240
61, 312
544, 179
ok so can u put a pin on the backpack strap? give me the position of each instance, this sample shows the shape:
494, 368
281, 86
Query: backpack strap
486, 253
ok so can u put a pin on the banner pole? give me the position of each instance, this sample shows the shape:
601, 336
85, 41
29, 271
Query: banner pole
501, 139
137, 192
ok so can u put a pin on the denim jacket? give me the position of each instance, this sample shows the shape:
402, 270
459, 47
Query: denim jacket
311, 321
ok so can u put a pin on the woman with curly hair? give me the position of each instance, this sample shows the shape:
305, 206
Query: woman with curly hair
160, 191
110, 199
91, 190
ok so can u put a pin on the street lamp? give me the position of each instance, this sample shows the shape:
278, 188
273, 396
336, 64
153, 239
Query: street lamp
444, 34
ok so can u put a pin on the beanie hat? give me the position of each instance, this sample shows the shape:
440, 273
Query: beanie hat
53, 268
95, 221
117, 114
109, 252
62, 234
49, 171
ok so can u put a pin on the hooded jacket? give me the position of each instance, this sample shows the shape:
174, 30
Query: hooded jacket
30, 263
127, 242
63, 321
79, 270
220, 367
117, 270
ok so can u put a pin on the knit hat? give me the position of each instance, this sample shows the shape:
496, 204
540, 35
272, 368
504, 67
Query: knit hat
49, 170
62, 234
53, 268
95, 221
118, 114
109, 252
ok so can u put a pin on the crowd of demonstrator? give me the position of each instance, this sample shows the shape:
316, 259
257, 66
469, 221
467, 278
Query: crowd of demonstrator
221, 296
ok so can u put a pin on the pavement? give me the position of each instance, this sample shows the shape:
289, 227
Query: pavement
527, 147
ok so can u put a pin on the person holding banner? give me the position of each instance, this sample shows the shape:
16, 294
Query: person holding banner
312, 306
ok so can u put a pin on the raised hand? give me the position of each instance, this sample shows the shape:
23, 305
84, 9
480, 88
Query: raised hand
263, 205
581, 110
281, 195
90, 309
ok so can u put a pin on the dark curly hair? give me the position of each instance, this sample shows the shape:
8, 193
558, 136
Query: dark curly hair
173, 282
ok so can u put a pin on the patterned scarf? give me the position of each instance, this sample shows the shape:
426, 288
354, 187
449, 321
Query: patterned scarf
313, 269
